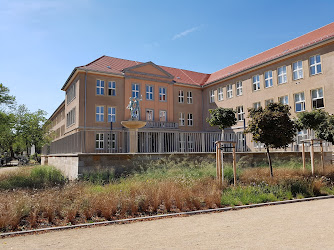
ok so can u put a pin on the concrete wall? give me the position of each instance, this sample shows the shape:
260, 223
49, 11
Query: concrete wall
75, 165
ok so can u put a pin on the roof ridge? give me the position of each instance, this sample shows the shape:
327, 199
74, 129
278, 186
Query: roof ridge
277, 46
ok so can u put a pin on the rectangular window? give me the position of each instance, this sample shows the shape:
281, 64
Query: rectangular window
162, 115
212, 96
256, 105
112, 88
299, 102
99, 87
256, 82
70, 118
317, 98
149, 115
99, 113
281, 75
112, 142
267, 102
111, 114
181, 119
239, 88
189, 97
229, 91
240, 112
70, 93
181, 96
162, 94
99, 141
220, 94
297, 70
190, 143
284, 100
135, 90
190, 120
315, 65
268, 79
149, 92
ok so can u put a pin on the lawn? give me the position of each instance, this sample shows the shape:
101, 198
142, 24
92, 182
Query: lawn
41, 197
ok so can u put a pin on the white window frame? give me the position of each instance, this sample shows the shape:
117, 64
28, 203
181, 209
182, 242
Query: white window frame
71, 93
319, 95
190, 142
182, 119
70, 118
181, 96
112, 88
99, 87
149, 92
162, 94
297, 70
149, 115
281, 76
284, 100
240, 113
212, 96
189, 97
190, 120
256, 105
162, 115
268, 79
220, 94
238, 87
111, 114
99, 113
300, 101
315, 65
229, 91
99, 141
135, 90
256, 83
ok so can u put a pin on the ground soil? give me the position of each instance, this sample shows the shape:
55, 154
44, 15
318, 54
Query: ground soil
305, 225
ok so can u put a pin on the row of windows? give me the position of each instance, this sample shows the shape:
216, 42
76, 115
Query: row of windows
100, 87
99, 114
190, 119
70, 118
150, 115
297, 73
149, 92
189, 97
229, 92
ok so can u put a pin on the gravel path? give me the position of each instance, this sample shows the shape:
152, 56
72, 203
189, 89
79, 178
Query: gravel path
305, 225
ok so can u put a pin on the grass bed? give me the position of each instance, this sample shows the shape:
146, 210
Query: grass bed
42, 198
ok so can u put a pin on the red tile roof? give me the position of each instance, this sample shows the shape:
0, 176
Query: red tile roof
116, 65
283, 49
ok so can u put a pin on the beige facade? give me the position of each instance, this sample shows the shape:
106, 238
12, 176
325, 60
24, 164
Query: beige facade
96, 95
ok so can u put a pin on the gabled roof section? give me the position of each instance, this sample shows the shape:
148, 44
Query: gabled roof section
114, 65
307, 40
158, 71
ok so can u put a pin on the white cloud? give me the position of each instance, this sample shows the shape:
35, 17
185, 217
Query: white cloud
185, 33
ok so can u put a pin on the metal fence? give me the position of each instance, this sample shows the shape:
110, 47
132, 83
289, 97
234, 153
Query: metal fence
157, 141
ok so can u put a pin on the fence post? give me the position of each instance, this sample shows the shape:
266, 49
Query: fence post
322, 157
303, 155
312, 156
234, 164
203, 142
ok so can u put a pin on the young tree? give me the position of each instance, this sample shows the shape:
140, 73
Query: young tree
222, 117
272, 126
320, 122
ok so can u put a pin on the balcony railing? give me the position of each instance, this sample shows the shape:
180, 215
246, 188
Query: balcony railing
153, 124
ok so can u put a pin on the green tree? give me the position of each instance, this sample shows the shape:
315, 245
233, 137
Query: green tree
222, 117
5, 98
320, 122
272, 126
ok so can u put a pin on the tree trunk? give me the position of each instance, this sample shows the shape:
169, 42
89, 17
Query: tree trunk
269, 161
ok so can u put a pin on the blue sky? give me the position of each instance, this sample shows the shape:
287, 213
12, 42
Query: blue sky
42, 41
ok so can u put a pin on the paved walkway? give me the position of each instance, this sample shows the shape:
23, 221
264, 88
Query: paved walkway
306, 225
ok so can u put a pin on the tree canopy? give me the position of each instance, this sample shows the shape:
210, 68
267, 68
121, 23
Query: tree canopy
272, 126
222, 117
5, 98
321, 122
